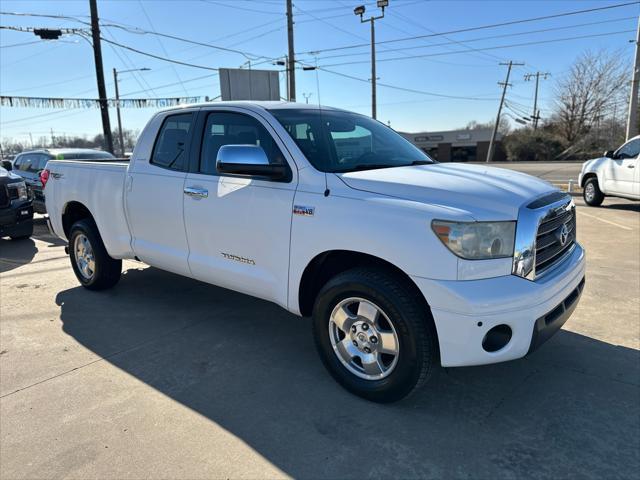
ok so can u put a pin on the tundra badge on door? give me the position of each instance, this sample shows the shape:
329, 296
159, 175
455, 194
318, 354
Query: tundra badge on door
303, 210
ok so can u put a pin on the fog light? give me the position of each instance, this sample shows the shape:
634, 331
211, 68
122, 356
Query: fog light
496, 338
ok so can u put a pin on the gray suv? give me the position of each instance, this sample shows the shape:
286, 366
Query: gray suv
29, 165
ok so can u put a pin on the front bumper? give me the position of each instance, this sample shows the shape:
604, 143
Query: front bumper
464, 311
16, 220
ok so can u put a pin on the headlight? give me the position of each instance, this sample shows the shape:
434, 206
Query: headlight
477, 240
21, 187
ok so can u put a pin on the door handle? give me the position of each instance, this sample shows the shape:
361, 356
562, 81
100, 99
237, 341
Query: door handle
631, 166
196, 192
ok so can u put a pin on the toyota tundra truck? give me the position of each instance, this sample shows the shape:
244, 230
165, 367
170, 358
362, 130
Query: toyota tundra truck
404, 264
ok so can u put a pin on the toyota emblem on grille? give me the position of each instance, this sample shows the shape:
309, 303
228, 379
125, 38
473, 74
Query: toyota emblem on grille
563, 235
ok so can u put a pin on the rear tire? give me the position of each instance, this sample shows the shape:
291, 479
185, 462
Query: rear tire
91, 263
591, 193
383, 311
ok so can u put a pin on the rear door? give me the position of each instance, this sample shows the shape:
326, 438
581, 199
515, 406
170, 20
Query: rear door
154, 192
239, 226
620, 173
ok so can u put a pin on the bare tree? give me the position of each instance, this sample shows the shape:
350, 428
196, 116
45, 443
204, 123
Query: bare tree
589, 93
503, 128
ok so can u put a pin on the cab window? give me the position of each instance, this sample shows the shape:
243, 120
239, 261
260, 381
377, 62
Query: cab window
227, 128
629, 150
170, 150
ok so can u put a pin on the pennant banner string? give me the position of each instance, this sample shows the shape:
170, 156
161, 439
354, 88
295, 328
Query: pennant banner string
50, 102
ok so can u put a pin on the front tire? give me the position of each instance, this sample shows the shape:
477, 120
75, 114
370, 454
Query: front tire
91, 263
374, 334
591, 192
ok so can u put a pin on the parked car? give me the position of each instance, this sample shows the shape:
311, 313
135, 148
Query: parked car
615, 174
16, 210
403, 263
29, 165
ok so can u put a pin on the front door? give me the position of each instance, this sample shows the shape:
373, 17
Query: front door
621, 169
154, 193
239, 227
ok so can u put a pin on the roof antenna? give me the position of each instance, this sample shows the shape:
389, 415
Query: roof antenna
326, 182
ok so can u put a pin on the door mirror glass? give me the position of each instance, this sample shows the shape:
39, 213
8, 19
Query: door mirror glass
6, 164
609, 153
247, 160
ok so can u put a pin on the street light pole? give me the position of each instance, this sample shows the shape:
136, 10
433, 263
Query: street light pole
285, 63
115, 82
382, 4
120, 137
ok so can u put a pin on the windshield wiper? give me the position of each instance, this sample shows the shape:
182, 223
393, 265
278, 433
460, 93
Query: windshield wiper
374, 166
368, 166
421, 162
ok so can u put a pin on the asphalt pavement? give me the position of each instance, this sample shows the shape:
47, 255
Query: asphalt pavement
167, 377
554, 172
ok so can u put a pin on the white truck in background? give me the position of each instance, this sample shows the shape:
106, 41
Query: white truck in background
403, 263
615, 174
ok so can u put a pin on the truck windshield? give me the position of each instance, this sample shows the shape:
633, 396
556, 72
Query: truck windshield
336, 141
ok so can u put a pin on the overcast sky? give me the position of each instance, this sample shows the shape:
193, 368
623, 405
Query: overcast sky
459, 64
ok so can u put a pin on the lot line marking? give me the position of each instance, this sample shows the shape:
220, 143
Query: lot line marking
624, 227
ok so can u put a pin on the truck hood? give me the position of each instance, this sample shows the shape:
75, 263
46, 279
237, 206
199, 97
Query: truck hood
485, 193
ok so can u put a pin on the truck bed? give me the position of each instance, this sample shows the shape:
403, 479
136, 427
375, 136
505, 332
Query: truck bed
98, 186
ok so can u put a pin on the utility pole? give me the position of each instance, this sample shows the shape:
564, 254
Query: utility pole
504, 92
536, 112
306, 96
53, 143
632, 118
291, 60
382, 4
102, 90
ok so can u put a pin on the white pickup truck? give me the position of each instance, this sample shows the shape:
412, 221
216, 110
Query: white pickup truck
615, 174
403, 263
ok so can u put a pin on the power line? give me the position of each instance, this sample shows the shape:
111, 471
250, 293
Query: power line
160, 87
405, 89
491, 37
497, 47
20, 44
128, 63
242, 8
410, 21
157, 57
164, 50
52, 84
482, 27
136, 30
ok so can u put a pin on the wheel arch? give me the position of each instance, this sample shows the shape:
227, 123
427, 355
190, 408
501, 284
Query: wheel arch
327, 264
72, 212
587, 176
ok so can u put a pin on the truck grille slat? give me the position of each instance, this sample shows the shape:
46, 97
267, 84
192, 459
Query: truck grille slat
5, 200
549, 248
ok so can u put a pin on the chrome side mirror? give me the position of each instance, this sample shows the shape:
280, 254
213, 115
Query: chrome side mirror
248, 160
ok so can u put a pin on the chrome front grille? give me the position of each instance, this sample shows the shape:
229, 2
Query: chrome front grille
545, 234
556, 235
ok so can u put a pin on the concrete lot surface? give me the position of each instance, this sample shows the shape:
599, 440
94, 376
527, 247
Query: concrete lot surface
166, 377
